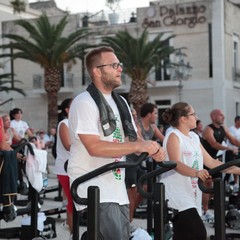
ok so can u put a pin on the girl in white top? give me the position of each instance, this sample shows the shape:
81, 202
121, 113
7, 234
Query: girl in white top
184, 147
18, 124
63, 147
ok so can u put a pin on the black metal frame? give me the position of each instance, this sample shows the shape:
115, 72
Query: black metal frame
16, 232
92, 200
219, 201
157, 196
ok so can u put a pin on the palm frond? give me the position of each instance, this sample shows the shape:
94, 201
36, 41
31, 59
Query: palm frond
5, 81
139, 55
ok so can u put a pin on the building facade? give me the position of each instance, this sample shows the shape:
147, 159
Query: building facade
209, 33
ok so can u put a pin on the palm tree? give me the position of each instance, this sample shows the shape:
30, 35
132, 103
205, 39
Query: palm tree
139, 56
5, 81
46, 45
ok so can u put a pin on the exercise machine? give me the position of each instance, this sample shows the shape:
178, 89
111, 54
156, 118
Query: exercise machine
33, 209
145, 211
93, 198
219, 202
161, 213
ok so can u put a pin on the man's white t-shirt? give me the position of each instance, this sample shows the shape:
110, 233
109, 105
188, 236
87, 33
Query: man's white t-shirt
236, 133
84, 118
183, 191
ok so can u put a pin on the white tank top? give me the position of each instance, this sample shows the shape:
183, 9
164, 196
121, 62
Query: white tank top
183, 191
62, 153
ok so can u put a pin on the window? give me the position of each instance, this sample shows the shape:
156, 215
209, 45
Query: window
237, 108
66, 78
160, 73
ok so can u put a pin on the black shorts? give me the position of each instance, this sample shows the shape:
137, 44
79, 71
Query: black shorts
132, 174
188, 225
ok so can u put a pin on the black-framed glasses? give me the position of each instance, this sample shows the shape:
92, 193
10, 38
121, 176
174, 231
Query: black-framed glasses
113, 65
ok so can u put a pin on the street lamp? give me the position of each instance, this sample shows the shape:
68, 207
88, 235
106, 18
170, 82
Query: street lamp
179, 70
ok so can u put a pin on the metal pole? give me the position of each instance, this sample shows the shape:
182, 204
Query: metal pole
34, 211
76, 221
149, 201
93, 220
219, 209
159, 204
180, 86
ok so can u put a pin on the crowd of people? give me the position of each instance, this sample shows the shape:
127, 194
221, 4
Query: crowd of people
99, 128
16, 129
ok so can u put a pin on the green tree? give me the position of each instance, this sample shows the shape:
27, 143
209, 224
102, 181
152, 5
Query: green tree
45, 44
139, 56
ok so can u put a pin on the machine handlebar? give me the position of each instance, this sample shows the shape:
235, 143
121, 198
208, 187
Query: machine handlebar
217, 170
98, 171
165, 166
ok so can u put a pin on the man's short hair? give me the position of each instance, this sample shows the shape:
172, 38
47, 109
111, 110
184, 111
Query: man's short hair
147, 108
93, 56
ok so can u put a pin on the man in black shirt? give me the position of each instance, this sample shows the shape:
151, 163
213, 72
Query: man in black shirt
213, 136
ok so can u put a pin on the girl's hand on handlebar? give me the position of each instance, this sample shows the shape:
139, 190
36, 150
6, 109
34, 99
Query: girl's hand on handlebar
203, 174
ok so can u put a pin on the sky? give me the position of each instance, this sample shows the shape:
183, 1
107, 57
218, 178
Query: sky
77, 6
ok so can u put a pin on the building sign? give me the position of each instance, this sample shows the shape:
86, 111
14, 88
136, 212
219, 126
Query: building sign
177, 15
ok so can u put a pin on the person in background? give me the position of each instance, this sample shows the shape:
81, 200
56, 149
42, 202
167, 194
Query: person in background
147, 130
199, 128
181, 184
235, 131
52, 136
148, 118
102, 131
8, 173
41, 141
3, 143
10, 133
212, 140
22, 129
63, 148
20, 126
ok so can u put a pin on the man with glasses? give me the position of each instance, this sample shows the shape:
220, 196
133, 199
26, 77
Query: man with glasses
102, 131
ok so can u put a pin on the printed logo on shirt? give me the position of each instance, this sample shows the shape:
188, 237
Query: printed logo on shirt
195, 166
117, 137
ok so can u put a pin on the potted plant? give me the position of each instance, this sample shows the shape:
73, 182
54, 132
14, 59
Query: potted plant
18, 6
113, 5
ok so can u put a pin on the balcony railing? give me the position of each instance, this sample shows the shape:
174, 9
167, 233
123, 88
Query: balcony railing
38, 81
